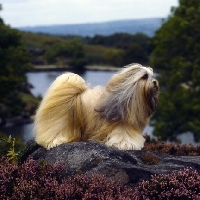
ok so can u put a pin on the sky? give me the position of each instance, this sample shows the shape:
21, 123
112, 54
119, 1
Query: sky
19, 13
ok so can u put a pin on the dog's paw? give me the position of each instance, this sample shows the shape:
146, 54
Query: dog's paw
126, 146
55, 143
125, 142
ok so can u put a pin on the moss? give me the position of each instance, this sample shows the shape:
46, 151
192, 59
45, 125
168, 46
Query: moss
150, 159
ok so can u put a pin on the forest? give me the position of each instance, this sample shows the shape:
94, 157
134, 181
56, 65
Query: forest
115, 50
173, 52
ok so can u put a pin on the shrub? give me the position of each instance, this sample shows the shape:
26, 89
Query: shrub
150, 159
33, 180
171, 148
184, 184
7, 176
11, 147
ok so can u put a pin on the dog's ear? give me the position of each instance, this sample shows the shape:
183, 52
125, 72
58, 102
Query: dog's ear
112, 109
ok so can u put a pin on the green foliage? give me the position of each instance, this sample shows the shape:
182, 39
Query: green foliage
11, 147
176, 56
117, 50
72, 54
76, 54
121, 40
57, 50
30, 103
97, 54
135, 54
14, 62
114, 57
136, 48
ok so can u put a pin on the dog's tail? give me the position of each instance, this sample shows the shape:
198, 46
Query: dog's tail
59, 118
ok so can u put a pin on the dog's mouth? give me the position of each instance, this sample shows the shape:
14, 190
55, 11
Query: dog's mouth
154, 97
156, 87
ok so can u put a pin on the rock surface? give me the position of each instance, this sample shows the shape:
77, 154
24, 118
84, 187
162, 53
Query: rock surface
129, 167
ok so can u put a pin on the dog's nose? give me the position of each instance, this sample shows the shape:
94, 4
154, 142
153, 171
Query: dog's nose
154, 82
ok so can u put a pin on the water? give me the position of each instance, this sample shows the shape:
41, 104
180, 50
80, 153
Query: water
41, 82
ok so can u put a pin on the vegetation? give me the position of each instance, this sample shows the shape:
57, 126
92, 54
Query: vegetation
150, 159
133, 48
176, 149
33, 180
15, 150
14, 63
11, 147
183, 184
40, 180
176, 56
45, 49
117, 50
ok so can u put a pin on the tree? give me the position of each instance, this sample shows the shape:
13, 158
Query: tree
14, 62
176, 56
135, 54
114, 57
72, 54
76, 53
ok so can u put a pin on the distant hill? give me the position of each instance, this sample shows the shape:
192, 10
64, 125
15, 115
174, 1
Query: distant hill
132, 26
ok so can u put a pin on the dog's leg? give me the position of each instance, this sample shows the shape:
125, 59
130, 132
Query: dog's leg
125, 139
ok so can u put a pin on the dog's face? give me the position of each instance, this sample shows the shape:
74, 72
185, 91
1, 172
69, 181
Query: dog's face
149, 85
133, 94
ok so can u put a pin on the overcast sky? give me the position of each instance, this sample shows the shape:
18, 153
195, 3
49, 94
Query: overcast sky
19, 13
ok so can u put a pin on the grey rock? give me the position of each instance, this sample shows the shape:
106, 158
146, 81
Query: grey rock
128, 167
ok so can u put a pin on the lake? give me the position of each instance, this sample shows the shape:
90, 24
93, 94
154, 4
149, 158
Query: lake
41, 82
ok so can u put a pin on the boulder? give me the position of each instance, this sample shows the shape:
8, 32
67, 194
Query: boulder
128, 167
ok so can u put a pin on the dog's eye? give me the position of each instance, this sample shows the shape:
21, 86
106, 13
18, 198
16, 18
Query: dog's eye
145, 77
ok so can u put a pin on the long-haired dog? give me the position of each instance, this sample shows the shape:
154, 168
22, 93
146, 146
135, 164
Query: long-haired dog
115, 114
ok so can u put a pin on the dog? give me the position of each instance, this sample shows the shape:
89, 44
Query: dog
115, 114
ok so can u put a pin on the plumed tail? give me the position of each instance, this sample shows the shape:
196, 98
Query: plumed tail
59, 117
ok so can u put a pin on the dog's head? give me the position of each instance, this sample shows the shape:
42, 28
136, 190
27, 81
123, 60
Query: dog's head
132, 95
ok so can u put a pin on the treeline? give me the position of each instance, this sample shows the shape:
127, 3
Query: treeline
176, 55
15, 96
131, 48
117, 50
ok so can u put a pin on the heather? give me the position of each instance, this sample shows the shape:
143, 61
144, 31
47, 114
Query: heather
171, 148
40, 180
183, 184
33, 180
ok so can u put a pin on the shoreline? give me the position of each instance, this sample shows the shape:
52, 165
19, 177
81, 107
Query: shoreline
38, 68
20, 120
15, 121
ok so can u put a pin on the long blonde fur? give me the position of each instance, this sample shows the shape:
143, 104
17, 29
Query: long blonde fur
115, 114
